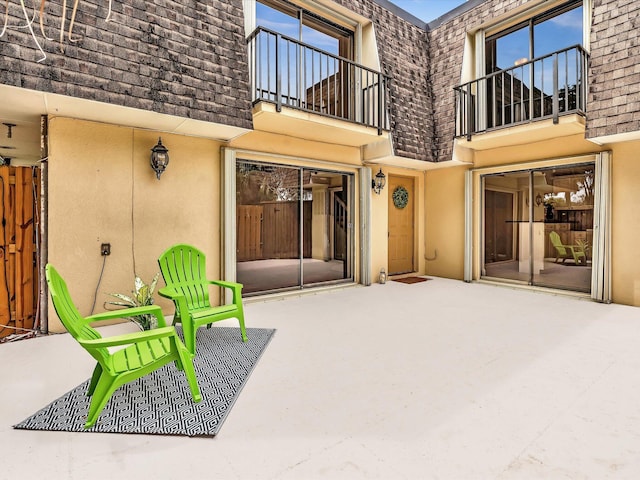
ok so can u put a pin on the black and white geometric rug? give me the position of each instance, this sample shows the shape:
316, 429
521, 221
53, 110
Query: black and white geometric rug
161, 402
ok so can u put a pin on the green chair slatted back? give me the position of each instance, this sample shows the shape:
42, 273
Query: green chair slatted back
567, 251
70, 317
557, 243
143, 352
183, 268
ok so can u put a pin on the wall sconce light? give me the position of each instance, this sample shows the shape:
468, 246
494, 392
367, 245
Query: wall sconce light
159, 158
378, 182
538, 199
9, 129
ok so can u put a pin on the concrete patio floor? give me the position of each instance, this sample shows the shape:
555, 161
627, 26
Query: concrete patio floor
434, 380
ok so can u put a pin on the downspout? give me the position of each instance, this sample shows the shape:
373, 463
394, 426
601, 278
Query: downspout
43, 304
435, 251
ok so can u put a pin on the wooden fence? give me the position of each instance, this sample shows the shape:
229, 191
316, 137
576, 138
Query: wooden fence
19, 194
271, 230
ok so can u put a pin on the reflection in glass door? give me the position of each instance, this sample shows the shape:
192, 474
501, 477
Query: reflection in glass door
293, 227
538, 226
499, 211
567, 199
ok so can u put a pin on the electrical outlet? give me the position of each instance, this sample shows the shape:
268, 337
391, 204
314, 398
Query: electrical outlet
105, 249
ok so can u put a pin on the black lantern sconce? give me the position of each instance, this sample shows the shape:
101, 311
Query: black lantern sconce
378, 182
159, 158
538, 199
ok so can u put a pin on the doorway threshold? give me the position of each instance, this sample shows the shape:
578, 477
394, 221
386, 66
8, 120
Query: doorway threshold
269, 297
396, 276
534, 288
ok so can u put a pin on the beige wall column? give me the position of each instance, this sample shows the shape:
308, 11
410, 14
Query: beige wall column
625, 223
320, 224
445, 220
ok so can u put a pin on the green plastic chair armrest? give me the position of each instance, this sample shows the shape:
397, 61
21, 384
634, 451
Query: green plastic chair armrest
225, 284
170, 292
129, 338
179, 300
129, 312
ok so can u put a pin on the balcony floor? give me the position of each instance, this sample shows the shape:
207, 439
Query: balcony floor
524, 133
391, 381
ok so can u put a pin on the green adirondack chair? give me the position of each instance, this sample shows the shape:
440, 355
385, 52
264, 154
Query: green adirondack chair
567, 251
184, 270
143, 353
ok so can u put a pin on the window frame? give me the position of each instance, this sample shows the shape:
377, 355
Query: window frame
306, 18
530, 24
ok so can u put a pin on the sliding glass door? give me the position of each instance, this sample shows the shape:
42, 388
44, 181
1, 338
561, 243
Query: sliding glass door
538, 226
294, 227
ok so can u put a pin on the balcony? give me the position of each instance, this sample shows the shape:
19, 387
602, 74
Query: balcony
545, 88
330, 94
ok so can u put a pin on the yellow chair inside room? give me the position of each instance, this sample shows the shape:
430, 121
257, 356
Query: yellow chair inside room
564, 252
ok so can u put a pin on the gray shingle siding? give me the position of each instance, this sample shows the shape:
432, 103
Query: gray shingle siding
447, 50
614, 76
404, 56
178, 58
190, 60
613, 104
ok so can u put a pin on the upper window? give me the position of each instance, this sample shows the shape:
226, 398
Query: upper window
539, 36
304, 26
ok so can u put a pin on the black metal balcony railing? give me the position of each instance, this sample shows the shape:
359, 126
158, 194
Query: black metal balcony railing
545, 87
287, 72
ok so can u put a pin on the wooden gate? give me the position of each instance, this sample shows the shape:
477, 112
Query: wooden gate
19, 197
248, 232
270, 230
281, 231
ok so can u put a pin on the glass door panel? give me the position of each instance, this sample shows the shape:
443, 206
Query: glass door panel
293, 227
505, 92
499, 220
557, 31
327, 225
538, 226
267, 227
567, 202
506, 255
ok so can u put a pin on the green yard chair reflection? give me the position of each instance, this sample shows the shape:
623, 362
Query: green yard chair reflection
567, 251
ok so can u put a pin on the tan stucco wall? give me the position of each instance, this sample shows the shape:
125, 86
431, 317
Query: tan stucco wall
548, 149
445, 206
625, 223
445, 222
285, 145
380, 221
102, 189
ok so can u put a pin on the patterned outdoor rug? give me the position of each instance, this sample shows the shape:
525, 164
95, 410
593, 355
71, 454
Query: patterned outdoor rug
412, 279
161, 402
